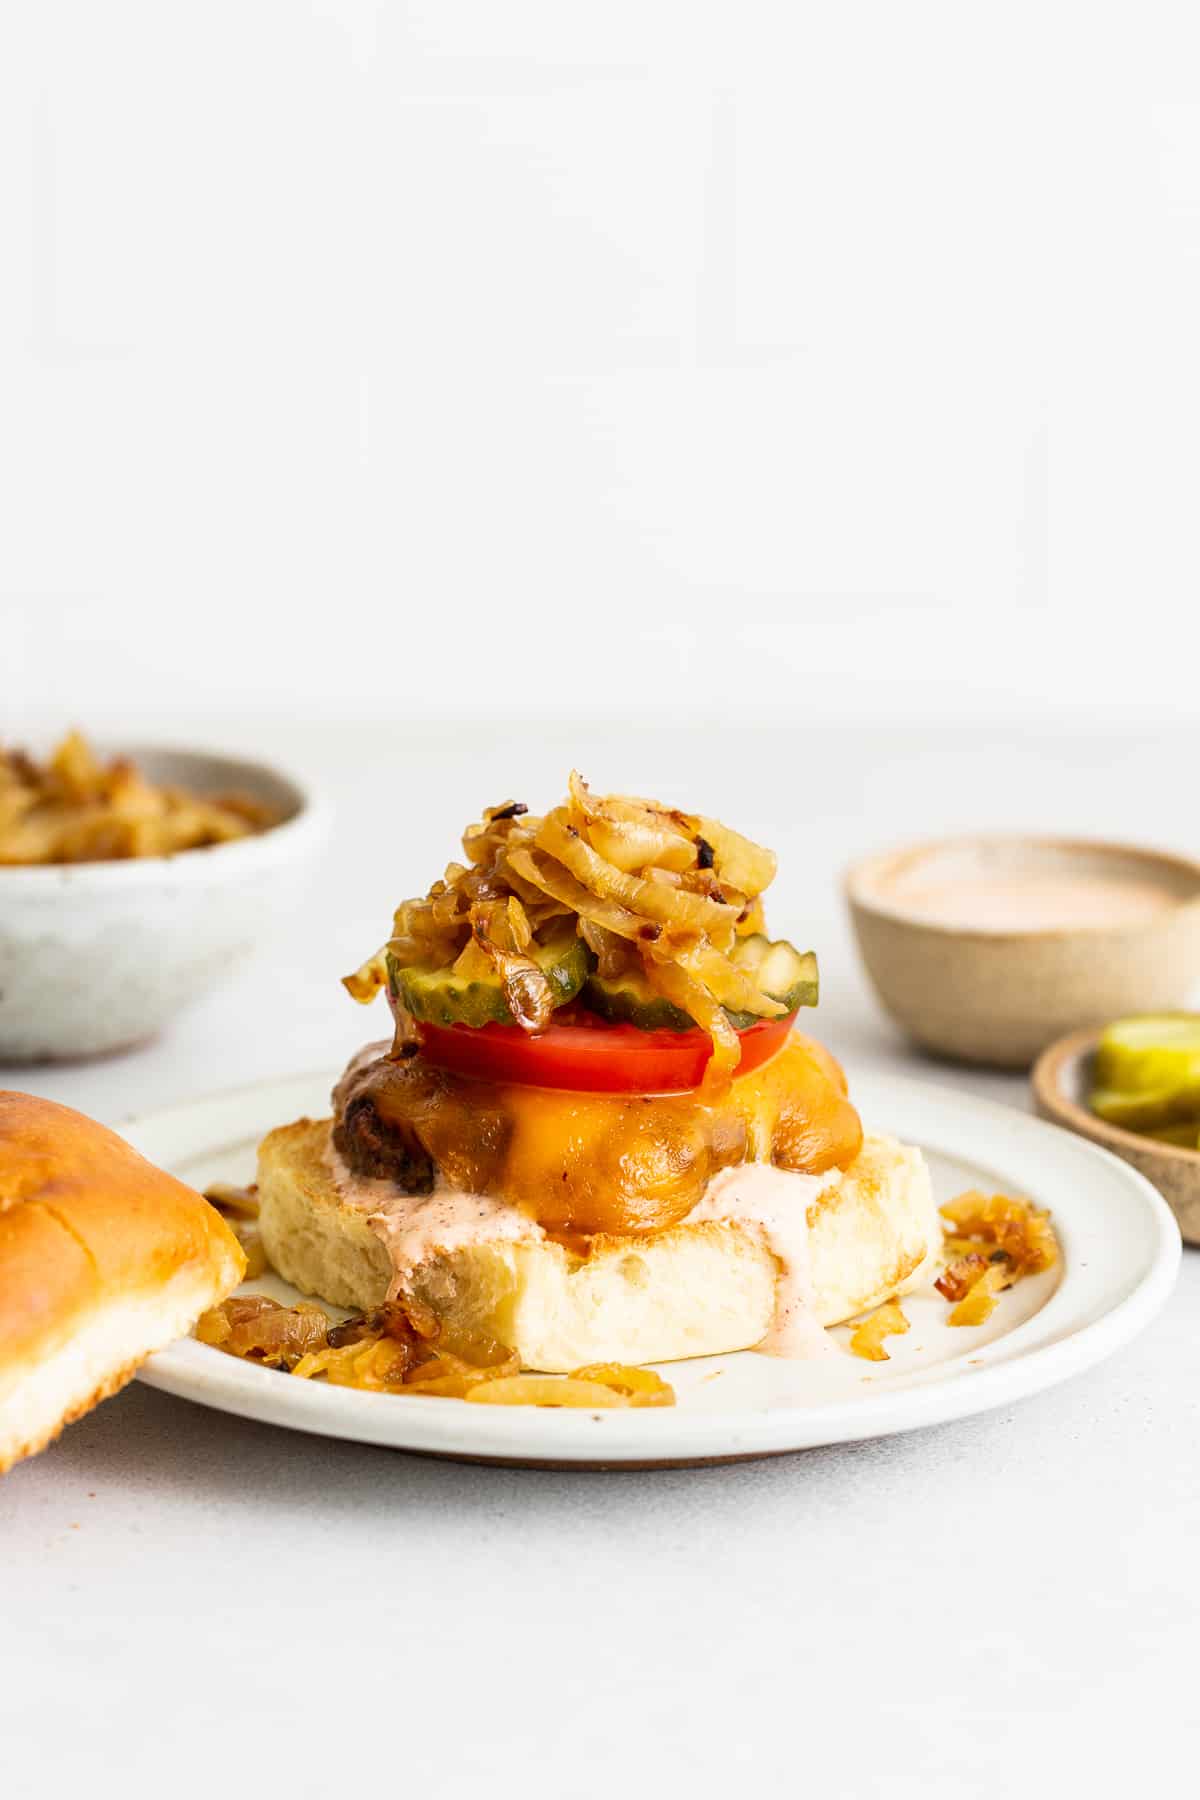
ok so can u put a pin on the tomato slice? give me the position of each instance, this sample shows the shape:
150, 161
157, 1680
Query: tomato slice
592, 1059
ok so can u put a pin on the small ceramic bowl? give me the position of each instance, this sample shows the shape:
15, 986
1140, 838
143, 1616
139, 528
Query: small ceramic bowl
1062, 1080
998, 995
99, 956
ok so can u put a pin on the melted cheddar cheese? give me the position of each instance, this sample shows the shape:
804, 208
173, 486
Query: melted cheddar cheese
586, 1163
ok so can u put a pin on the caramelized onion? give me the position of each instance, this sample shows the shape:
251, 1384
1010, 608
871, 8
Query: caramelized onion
395, 1349
979, 1302
527, 989
674, 985
253, 1326
646, 885
1004, 1222
632, 835
544, 1390
449, 1377
959, 1277
230, 1199
648, 899
634, 847
613, 954
721, 980
994, 1240
253, 1248
737, 861
544, 872
889, 1320
641, 1387
367, 980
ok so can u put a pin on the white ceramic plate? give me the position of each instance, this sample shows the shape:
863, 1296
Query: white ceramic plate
1120, 1257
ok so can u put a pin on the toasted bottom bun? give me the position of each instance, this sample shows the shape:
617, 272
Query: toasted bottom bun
693, 1290
103, 1260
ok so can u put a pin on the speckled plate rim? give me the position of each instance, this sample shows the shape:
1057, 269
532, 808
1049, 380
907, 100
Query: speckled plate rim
1122, 1257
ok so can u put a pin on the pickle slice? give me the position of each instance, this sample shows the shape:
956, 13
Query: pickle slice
1152, 1110
445, 997
1149, 1053
780, 971
629, 999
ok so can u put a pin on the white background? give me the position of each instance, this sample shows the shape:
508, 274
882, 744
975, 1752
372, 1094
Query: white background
379, 382
432, 358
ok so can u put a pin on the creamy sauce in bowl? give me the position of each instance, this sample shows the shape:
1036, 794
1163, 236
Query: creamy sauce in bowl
1028, 885
1028, 901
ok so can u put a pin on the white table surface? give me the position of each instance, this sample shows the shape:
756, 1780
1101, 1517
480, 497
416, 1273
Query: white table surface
196, 1604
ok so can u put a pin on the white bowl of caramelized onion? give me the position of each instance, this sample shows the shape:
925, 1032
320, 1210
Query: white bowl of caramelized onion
131, 884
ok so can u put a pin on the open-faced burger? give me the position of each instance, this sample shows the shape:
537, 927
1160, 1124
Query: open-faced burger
596, 1134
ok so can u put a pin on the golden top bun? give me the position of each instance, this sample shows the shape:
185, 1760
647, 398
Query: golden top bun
103, 1260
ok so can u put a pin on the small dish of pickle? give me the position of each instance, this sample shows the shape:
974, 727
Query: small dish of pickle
1134, 1088
1146, 1077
